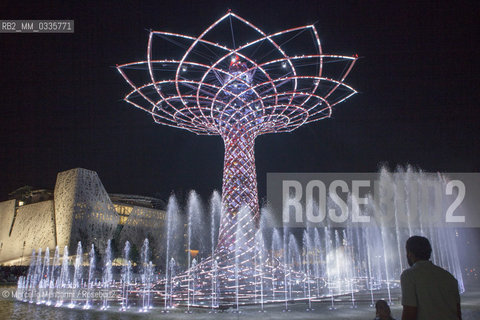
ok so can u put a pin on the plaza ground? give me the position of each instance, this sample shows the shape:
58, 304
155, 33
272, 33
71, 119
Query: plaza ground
11, 309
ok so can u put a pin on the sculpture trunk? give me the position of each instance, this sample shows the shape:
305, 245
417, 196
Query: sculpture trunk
239, 187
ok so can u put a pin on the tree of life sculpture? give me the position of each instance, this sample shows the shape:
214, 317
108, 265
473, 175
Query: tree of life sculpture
238, 82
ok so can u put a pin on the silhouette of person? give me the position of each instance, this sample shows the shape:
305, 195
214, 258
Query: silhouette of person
383, 311
428, 291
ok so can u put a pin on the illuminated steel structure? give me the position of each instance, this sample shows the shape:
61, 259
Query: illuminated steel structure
236, 81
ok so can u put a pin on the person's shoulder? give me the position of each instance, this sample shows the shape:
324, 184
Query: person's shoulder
406, 273
445, 274
442, 270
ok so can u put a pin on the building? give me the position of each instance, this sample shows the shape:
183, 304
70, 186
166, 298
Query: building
79, 209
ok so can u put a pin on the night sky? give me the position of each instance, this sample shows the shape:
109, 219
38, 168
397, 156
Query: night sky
61, 97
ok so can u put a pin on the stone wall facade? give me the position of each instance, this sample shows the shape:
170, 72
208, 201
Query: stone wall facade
25, 228
80, 211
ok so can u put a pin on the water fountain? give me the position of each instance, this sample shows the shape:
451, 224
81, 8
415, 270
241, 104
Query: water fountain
215, 212
146, 276
91, 274
194, 229
259, 269
126, 276
27, 289
37, 278
286, 269
77, 275
286, 265
170, 230
215, 287
307, 264
169, 298
44, 282
276, 247
53, 275
63, 279
107, 277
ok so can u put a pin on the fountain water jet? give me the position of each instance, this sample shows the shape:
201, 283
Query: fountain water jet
126, 276
63, 281
53, 275
107, 276
91, 274
146, 276
170, 226
77, 275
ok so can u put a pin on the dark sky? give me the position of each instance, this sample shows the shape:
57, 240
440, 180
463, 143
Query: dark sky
61, 97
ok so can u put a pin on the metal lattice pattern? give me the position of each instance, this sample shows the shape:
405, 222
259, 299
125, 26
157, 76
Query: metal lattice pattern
236, 81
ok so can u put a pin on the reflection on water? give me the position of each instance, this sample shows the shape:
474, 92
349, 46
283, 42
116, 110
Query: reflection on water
21, 310
12, 309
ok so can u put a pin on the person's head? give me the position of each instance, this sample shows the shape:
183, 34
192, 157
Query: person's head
418, 248
383, 310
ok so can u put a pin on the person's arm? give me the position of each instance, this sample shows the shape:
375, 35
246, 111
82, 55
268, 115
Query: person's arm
409, 313
459, 312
